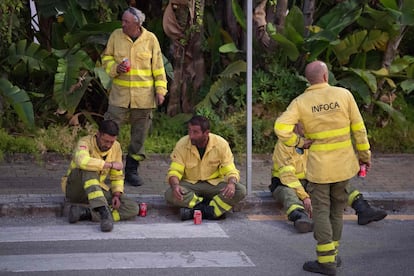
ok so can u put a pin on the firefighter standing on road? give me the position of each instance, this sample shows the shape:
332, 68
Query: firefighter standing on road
288, 187
138, 85
95, 158
329, 114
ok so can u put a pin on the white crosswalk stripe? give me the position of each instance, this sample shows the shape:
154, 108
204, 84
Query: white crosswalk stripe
121, 231
123, 260
117, 260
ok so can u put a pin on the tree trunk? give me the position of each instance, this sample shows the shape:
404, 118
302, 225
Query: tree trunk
308, 11
183, 24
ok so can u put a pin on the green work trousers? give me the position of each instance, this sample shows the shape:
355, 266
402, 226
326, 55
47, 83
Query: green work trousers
76, 193
328, 203
140, 121
288, 198
353, 193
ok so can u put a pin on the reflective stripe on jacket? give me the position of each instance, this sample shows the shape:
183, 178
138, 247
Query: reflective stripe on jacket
289, 166
329, 114
87, 156
216, 166
136, 88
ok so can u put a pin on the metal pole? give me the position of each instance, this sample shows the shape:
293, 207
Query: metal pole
249, 96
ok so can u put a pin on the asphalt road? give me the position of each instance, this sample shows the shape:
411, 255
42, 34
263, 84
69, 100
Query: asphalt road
239, 245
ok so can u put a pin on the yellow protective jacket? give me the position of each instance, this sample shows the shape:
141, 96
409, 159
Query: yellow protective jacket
216, 166
289, 166
329, 114
135, 89
88, 157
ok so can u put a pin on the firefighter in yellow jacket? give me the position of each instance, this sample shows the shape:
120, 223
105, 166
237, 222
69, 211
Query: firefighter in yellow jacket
289, 183
329, 115
95, 158
288, 187
202, 175
134, 60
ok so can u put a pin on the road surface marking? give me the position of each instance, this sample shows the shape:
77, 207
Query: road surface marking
91, 231
346, 217
123, 260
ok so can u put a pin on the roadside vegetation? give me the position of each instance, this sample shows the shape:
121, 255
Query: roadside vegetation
53, 90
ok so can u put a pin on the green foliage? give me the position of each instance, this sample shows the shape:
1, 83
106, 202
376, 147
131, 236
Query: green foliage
11, 21
19, 100
72, 78
13, 144
276, 86
61, 139
392, 140
165, 132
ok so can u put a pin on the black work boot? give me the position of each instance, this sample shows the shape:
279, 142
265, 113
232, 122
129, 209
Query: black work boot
186, 213
301, 221
77, 213
317, 267
107, 223
207, 212
365, 212
131, 172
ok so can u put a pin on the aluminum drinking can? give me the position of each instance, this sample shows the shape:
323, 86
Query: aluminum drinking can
362, 170
197, 217
127, 64
143, 209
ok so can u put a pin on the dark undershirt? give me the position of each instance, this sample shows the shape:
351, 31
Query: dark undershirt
201, 151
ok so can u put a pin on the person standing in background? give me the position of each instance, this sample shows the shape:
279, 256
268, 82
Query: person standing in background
134, 60
329, 115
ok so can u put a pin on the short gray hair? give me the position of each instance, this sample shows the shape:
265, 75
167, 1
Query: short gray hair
138, 15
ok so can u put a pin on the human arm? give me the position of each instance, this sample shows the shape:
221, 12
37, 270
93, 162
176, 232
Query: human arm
158, 71
176, 170
228, 169
289, 166
85, 157
359, 133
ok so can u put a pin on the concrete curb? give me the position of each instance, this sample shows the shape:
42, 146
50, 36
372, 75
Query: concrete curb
46, 205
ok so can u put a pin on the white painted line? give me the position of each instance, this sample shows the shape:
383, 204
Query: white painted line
121, 231
123, 260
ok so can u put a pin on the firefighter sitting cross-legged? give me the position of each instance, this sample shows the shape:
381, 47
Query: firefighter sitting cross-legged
95, 158
202, 174
288, 187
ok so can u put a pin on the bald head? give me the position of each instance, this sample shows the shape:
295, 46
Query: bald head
316, 72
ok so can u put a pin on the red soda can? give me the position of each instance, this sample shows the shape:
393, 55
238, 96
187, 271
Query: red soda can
143, 209
197, 217
362, 170
127, 64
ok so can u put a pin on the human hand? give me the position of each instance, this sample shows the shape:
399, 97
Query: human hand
229, 190
367, 164
307, 203
117, 166
123, 67
177, 192
160, 99
307, 143
116, 202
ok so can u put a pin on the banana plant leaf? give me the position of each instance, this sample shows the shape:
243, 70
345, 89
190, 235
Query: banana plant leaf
72, 79
19, 100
